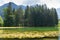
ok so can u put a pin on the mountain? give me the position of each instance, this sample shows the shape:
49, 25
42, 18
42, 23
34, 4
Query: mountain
23, 7
58, 12
13, 6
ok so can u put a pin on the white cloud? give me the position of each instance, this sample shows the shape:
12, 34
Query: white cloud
31, 2
4, 1
18, 2
50, 3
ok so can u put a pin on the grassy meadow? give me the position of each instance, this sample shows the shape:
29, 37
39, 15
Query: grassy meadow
29, 29
29, 32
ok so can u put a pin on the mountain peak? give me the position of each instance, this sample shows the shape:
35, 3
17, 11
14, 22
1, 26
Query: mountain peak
12, 4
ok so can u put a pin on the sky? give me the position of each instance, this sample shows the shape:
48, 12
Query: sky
49, 3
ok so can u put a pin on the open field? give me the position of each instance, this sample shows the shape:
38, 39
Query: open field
28, 32
22, 29
31, 29
27, 29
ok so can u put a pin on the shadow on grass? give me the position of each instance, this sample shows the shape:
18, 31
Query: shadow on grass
56, 38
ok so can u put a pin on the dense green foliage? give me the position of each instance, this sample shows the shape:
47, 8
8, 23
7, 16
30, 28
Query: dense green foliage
1, 21
9, 16
38, 15
19, 17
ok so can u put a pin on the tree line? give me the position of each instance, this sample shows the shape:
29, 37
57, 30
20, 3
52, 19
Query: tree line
32, 16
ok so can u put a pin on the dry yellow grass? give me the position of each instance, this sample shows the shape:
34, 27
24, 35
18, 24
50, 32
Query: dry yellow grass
1, 31
34, 34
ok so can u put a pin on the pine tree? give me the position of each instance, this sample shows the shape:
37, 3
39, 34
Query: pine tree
19, 17
27, 16
9, 16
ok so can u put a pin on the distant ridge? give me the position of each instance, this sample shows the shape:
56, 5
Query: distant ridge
13, 6
23, 7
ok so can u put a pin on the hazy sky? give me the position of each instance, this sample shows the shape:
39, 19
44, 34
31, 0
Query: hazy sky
50, 3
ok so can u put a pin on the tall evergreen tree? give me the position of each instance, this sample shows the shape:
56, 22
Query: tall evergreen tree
9, 17
19, 17
27, 16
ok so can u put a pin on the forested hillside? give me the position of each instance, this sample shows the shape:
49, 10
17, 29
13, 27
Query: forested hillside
32, 16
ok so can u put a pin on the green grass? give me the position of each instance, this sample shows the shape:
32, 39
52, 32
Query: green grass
23, 29
31, 29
